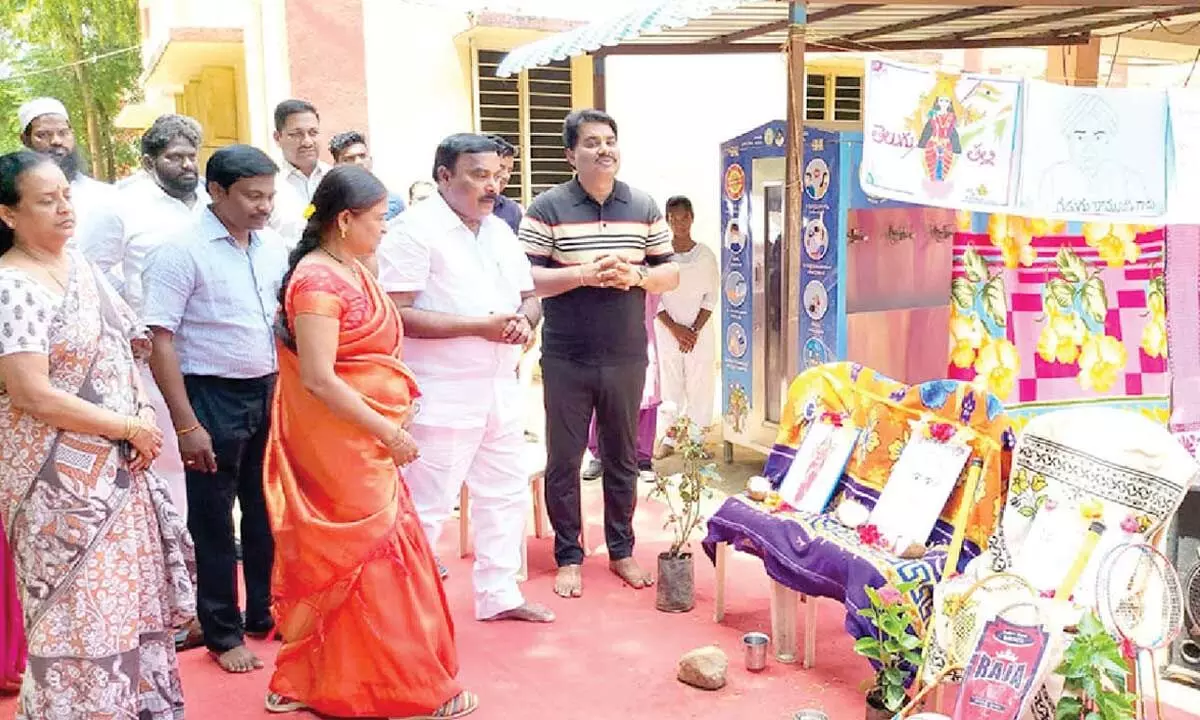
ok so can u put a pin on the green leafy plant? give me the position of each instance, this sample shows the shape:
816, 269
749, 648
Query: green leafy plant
894, 648
695, 484
1094, 672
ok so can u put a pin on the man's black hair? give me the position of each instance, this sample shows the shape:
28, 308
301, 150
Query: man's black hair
288, 108
237, 162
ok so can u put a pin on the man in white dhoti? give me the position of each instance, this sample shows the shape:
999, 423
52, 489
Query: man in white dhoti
686, 343
465, 293
161, 202
46, 128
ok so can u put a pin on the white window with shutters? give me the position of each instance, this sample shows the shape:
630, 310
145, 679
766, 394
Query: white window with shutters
528, 111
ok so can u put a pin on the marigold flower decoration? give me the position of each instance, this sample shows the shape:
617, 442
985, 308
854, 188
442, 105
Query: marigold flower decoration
941, 432
309, 210
832, 418
869, 535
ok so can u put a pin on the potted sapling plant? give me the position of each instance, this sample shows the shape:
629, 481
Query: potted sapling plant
676, 569
893, 649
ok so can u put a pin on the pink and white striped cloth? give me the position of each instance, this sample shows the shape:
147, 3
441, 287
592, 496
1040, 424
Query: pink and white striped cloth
1182, 279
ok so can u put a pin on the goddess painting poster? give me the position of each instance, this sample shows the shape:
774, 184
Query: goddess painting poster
939, 139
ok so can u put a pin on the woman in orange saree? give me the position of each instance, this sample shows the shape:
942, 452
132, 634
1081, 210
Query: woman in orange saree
357, 598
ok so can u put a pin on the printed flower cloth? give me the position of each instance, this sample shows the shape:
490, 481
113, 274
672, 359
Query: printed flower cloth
1041, 316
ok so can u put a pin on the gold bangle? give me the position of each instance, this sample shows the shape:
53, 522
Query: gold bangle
126, 433
185, 431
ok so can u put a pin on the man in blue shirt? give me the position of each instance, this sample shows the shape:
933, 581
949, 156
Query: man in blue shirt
506, 209
350, 148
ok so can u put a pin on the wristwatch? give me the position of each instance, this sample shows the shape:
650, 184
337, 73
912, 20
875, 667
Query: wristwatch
643, 274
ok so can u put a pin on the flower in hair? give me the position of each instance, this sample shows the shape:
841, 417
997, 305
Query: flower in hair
308, 211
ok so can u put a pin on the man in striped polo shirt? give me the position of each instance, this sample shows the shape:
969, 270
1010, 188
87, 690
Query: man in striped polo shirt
597, 247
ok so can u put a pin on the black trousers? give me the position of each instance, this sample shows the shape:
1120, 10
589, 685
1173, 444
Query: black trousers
572, 392
236, 414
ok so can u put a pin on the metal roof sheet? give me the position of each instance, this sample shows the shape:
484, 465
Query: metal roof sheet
712, 26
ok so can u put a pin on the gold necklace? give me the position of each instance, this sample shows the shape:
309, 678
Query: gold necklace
44, 266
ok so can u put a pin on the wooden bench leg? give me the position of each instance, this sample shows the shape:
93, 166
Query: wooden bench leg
464, 522
721, 558
810, 631
784, 609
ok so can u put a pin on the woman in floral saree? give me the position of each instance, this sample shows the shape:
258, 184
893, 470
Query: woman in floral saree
101, 555
358, 601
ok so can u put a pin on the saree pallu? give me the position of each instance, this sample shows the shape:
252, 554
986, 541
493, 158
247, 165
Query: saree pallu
357, 598
102, 558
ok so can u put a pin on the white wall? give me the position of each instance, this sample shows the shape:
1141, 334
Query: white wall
417, 91
675, 111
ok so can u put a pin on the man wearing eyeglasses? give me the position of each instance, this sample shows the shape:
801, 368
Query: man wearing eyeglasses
297, 128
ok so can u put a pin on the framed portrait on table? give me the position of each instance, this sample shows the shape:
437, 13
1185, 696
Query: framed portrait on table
813, 475
917, 490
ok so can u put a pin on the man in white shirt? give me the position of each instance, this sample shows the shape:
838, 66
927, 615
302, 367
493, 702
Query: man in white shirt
686, 343
297, 130
160, 203
465, 292
46, 128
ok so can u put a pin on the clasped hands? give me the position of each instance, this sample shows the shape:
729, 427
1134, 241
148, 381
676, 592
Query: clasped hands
609, 271
144, 438
513, 329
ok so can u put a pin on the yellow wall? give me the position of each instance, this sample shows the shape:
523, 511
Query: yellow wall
215, 96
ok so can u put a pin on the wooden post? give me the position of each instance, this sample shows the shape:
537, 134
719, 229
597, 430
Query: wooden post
1075, 64
793, 218
598, 98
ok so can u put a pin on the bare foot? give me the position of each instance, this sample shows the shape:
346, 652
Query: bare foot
568, 582
634, 576
529, 612
239, 660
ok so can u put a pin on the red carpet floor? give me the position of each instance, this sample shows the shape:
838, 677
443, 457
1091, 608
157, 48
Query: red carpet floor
610, 655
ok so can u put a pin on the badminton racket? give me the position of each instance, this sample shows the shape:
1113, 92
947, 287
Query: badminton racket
1139, 597
962, 620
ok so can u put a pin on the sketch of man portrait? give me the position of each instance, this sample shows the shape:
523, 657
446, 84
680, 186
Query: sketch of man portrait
1095, 170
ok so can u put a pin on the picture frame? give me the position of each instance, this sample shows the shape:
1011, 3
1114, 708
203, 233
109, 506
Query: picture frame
921, 482
814, 474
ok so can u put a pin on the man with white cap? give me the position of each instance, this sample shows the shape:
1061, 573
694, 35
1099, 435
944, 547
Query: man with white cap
46, 128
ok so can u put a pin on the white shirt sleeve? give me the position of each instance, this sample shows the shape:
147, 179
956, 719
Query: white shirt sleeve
104, 245
404, 259
710, 275
518, 267
167, 284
